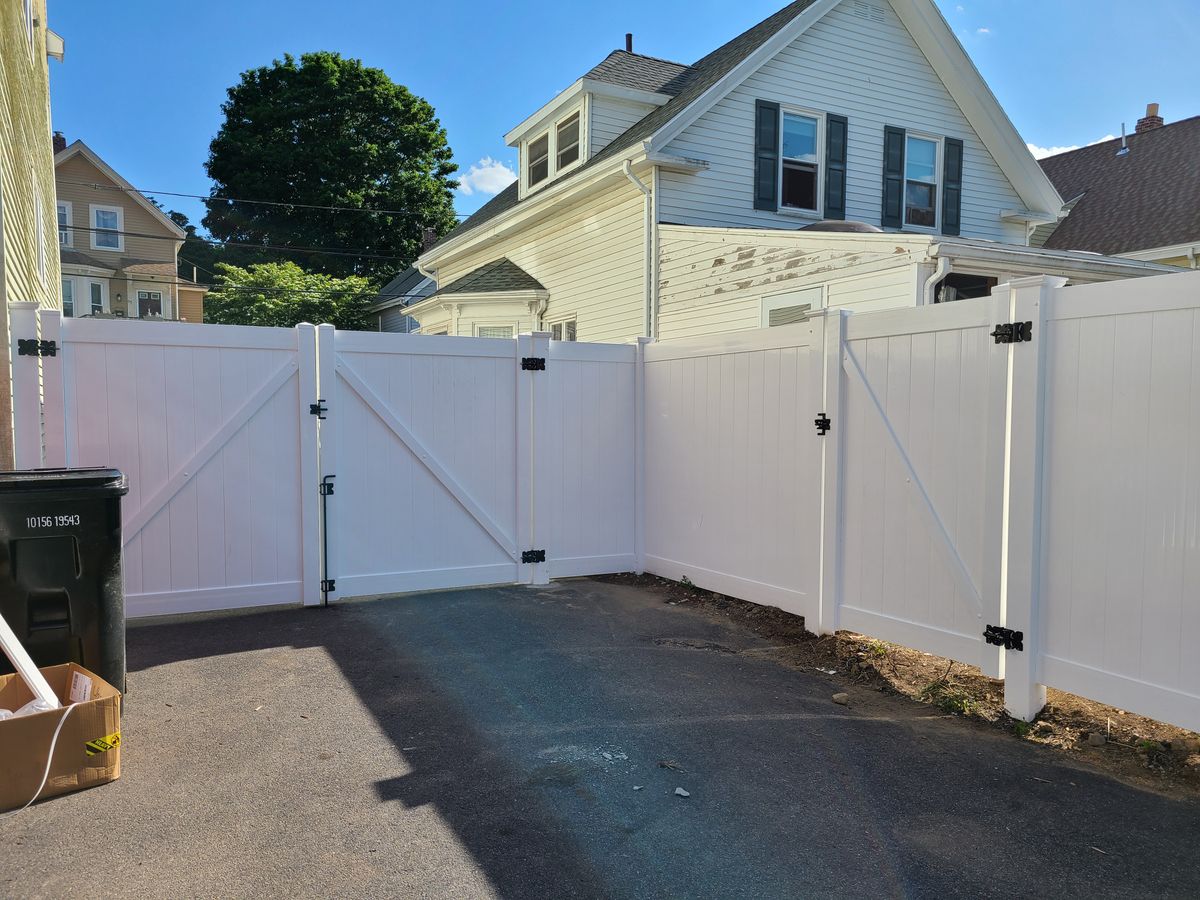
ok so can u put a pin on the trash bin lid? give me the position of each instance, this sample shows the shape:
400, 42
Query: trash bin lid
91, 481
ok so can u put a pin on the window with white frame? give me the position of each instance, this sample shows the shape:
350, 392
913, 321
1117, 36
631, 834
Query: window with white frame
566, 142
149, 303
68, 297
791, 307
65, 238
107, 225
555, 150
494, 331
563, 330
96, 297
539, 160
800, 178
920, 181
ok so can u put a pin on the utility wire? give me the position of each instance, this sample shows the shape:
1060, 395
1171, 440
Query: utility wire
305, 291
358, 252
149, 193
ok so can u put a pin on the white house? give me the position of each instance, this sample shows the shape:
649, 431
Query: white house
657, 198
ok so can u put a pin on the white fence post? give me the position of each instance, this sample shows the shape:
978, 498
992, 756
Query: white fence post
328, 443
26, 387
534, 494
1029, 298
639, 456
54, 416
310, 467
831, 475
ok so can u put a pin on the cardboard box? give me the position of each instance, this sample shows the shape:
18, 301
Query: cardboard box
88, 749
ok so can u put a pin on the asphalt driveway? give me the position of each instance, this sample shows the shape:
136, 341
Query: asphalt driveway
528, 742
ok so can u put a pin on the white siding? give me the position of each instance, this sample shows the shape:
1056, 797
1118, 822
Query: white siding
611, 117
869, 71
590, 258
714, 280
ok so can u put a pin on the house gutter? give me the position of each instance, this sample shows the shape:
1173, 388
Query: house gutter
943, 269
650, 312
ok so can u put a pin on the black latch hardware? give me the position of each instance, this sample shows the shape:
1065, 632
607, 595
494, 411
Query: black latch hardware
326, 487
328, 586
318, 409
533, 364
1013, 333
1004, 637
533, 556
823, 424
34, 347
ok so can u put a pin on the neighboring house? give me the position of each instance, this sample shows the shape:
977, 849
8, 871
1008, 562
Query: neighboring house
829, 112
28, 253
1137, 197
407, 288
119, 251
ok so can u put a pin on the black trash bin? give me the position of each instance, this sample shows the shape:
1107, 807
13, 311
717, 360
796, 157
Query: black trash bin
60, 567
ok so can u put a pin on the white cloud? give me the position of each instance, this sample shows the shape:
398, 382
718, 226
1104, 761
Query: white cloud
488, 176
1043, 152
959, 8
983, 31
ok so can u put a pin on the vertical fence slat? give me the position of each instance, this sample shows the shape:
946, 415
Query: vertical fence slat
831, 475
327, 390
53, 410
310, 467
26, 390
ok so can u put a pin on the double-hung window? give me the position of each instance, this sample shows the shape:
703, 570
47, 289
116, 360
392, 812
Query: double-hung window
554, 151
64, 224
801, 176
566, 141
96, 296
106, 228
920, 181
539, 159
68, 297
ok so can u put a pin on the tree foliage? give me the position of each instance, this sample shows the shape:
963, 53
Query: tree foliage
328, 131
284, 295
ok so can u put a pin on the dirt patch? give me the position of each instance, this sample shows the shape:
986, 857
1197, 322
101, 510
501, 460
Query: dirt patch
1131, 747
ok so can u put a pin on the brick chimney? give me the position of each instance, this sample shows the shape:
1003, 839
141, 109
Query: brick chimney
1150, 121
60, 142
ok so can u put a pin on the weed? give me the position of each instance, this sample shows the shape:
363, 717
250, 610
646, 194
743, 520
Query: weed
878, 649
1149, 746
948, 698
686, 582
1022, 729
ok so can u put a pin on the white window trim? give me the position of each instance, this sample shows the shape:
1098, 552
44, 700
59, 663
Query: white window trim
819, 212
163, 301
937, 140
70, 222
550, 130
74, 282
788, 298
104, 304
562, 319
92, 210
496, 323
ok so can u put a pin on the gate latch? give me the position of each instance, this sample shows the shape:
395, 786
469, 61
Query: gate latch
1004, 637
823, 424
533, 556
533, 364
1013, 333
318, 409
34, 347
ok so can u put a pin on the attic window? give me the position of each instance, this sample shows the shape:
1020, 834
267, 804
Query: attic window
539, 160
567, 141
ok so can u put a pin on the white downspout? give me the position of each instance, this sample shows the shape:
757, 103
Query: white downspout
942, 270
648, 272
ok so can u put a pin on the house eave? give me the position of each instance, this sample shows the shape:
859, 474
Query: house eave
996, 258
468, 298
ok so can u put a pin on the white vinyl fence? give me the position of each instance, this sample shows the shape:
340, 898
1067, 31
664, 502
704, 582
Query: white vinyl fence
1013, 482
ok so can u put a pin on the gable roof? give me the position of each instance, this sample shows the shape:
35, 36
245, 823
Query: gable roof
1147, 198
497, 277
696, 87
643, 73
79, 148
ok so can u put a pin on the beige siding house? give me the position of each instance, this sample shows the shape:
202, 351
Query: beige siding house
28, 252
119, 251
839, 153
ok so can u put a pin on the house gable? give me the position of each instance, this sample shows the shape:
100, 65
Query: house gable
857, 61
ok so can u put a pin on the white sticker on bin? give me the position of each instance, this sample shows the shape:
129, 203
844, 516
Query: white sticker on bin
81, 688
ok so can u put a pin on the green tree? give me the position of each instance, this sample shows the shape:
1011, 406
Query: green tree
284, 295
328, 131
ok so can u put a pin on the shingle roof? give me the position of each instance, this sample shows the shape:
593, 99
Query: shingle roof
498, 276
645, 73
1150, 197
404, 285
75, 258
688, 87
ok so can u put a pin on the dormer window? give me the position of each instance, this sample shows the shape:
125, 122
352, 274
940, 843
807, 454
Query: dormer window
567, 141
539, 159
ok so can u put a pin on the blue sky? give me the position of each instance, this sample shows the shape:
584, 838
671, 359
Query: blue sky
1068, 72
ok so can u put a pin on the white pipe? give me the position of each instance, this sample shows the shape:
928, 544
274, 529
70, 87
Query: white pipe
36, 681
942, 270
648, 274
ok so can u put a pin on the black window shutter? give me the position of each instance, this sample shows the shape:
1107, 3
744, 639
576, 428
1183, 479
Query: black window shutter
893, 177
835, 166
766, 155
952, 187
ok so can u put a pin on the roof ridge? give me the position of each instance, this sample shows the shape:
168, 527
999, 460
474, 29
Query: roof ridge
670, 62
1136, 134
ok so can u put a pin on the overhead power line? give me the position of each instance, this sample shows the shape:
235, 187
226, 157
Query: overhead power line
149, 193
358, 252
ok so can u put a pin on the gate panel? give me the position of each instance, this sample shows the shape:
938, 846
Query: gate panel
210, 426
733, 464
421, 438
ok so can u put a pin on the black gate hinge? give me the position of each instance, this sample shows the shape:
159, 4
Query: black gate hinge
1013, 333
823, 424
328, 586
34, 347
318, 409
533, 556
533, 364
1004, 637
